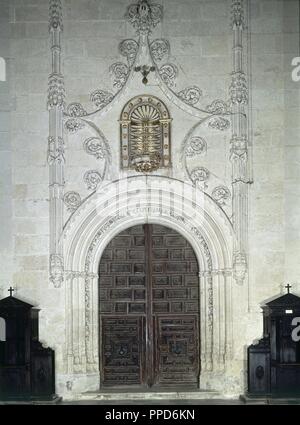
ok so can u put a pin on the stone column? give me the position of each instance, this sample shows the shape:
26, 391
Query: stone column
91, 322
69, 321
75, 323
202, 331
206, 294
228, 315
239, 145
56, 159
82, 322
219, 320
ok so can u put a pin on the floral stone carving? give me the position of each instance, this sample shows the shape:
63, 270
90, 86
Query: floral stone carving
96, 147
168, 73
159, 49
190, 95
195, 146
221, 194
73, 125
72, 200
76, 110
129, 48
119, 71
199, 174
92, 179
101, 98
219, 123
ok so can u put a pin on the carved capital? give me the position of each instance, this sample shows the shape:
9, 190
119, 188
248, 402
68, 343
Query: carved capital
56, 270
70, 275
239, 148
56, 151
239, 267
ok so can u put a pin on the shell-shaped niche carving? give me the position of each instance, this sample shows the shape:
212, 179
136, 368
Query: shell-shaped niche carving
145, 113
145, 134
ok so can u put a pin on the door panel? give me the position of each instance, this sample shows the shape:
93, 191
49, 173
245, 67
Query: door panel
176, 349
149, 309
123, 350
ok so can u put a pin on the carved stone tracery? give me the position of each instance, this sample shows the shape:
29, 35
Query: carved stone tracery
144, 17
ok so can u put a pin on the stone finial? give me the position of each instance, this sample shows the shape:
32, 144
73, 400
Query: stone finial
144, 16
55, 15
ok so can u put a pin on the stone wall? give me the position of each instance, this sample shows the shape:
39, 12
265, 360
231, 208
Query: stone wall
6, 188
273, 205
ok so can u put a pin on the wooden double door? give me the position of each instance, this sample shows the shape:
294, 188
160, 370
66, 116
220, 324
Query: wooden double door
149, 310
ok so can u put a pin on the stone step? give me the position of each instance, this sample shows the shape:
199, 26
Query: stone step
159, 395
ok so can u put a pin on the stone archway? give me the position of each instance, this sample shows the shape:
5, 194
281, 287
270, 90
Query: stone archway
129, 202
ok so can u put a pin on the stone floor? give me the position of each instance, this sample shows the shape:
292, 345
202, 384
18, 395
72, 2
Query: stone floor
203, 402
207, 402
152, 402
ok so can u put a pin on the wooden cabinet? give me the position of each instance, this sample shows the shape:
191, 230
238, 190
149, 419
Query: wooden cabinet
26, 367
274, 363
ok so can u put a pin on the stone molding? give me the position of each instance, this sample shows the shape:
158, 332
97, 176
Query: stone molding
239, 95
105, 214
56, 147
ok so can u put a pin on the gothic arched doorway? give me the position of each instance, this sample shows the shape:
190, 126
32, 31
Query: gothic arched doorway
149, 310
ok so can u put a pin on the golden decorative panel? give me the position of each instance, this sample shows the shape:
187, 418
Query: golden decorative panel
145, 127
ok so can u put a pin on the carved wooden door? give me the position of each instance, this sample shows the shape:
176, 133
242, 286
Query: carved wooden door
149, 310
